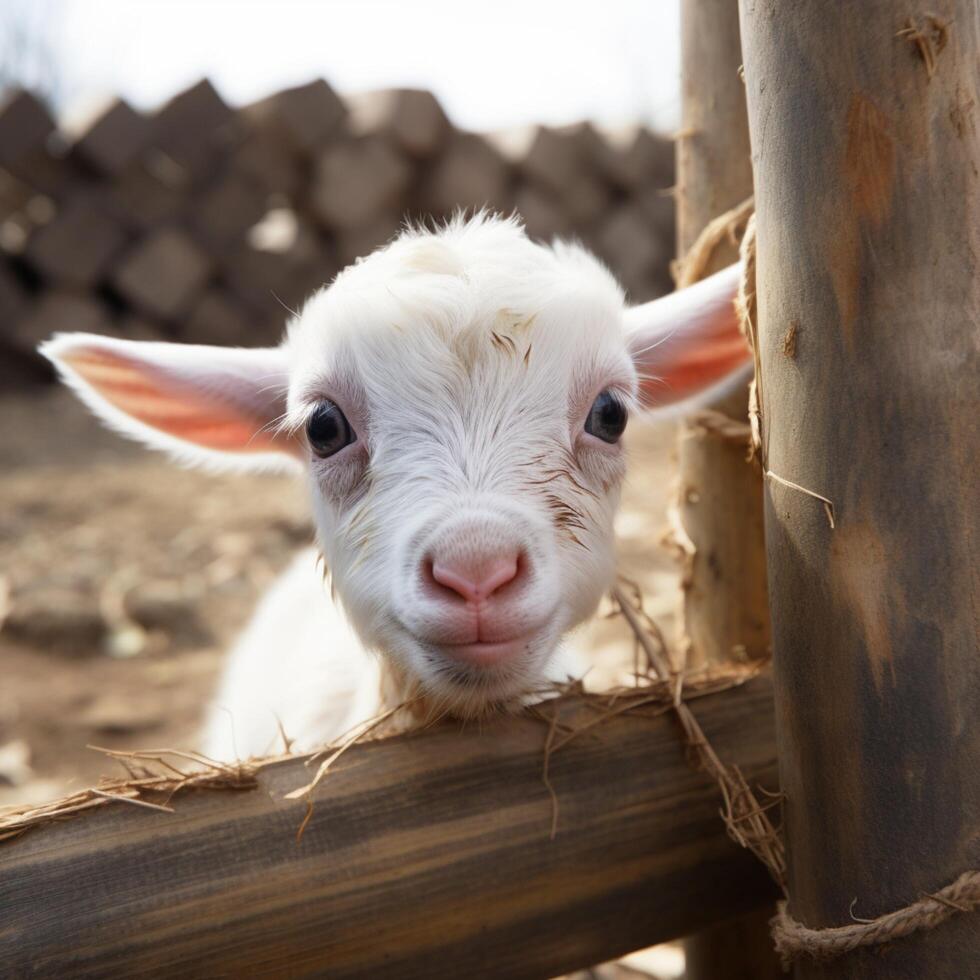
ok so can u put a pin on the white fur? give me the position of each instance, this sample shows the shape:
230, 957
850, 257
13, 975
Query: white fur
299, 670
462, 432
466, 361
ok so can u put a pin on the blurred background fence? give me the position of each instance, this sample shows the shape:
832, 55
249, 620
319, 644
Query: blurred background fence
202, 223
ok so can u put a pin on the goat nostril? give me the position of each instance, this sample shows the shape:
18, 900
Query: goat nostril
429, 577
474, 585
442, 581
503, 571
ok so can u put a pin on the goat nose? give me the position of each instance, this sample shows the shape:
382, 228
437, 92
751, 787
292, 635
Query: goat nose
475, 582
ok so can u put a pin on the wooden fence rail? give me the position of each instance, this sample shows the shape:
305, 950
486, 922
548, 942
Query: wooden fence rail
427, 855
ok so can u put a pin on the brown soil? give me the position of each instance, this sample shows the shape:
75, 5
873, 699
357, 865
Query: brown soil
123, 579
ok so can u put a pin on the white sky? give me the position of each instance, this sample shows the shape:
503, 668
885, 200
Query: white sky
493, 65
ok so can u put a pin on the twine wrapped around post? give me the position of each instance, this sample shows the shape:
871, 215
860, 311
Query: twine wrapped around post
747, 307
694, 265
794, 940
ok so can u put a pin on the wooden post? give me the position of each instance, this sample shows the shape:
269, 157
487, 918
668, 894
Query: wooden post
714, 167
429, 855
719, 506
725, 601
865, 123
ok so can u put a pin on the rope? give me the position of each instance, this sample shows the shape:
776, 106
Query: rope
747, 306
693, 266
718, 424
793, 939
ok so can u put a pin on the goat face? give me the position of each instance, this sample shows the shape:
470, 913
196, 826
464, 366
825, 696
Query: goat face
462, 399
457, 401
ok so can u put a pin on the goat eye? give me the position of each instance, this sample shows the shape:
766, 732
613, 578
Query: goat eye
607, 418
328, 430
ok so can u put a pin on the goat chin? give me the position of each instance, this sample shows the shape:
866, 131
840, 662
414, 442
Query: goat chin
299, 673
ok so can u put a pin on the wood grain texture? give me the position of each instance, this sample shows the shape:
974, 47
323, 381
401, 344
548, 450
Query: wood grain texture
714, 167
427, 856
868, 208
719, 497
735, 949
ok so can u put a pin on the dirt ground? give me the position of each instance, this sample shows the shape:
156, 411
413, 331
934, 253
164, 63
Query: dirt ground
124, 578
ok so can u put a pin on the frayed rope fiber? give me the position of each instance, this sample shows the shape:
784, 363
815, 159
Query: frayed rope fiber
794, 940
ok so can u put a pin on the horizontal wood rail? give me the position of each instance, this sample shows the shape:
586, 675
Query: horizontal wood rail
427, 855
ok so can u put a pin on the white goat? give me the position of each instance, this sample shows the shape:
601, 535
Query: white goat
456, 401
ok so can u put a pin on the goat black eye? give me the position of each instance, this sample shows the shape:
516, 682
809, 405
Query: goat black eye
328, 430
607, 418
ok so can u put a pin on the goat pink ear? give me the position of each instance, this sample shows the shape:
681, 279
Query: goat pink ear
204, 404
687, 346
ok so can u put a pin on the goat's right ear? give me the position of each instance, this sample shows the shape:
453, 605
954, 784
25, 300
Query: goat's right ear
212, 405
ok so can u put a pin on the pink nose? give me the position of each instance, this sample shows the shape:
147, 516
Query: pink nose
476, 581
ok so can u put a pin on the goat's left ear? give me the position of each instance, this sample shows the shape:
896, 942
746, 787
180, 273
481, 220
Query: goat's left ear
687, 346
204, 404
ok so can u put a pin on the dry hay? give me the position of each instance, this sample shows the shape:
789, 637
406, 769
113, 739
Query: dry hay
746, 818
153, 778
725, 227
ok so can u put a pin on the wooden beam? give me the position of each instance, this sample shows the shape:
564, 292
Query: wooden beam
304, 119
412, 119
427, 855
719, 495
470, 173
359, 181
865, 127
25, 125
114, 140
714, 165
75, 246
163, 273
195, 127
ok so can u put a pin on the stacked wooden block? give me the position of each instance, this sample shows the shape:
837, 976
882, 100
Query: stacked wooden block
206, 224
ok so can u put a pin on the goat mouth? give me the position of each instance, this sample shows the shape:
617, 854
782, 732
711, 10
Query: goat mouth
494, 671
474, 680
482, 655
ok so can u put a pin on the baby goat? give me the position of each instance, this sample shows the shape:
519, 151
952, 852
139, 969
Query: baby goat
457, 402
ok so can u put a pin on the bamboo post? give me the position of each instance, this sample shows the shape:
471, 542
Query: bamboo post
719, 504
436, 854
865, 123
